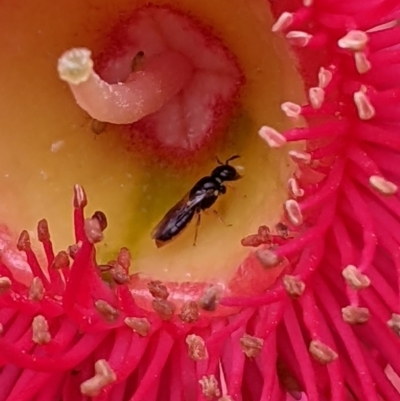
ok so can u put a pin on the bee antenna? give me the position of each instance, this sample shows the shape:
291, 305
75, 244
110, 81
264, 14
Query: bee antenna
232, 158
219, 161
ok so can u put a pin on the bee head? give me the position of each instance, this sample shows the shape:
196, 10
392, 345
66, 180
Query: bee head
225, 173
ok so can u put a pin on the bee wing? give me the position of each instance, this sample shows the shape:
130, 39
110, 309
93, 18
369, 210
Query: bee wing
176, 213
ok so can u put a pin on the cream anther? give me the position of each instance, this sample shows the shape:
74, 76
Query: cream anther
298, 38
299, 156
316, 96
363, 65
40, 330
273, 138
283, 22
364, 107
292, 110
382, 185
293, 212
355, 278
354, 40
324, 77
294, 188
322, 353
104, 376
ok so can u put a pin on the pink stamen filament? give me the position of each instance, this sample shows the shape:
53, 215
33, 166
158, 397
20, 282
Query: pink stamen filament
332, 129
331, 309
362, 213
327, 109
387, 160
381, 136
343, 242
327, 189
301, 353
319, 330
297, 244
381, 40
268, 357
161, 353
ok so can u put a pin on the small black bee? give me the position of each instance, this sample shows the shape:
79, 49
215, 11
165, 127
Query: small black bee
201, 197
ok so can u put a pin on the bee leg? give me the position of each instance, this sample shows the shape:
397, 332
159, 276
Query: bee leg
230, 186
221, 219
197, 228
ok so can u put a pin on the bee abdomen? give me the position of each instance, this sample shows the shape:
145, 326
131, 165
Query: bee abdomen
177, 226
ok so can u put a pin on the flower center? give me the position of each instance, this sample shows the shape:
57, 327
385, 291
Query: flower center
124, 173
